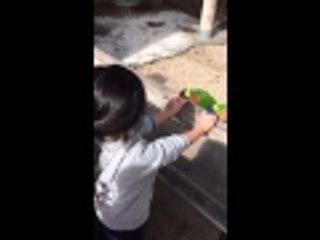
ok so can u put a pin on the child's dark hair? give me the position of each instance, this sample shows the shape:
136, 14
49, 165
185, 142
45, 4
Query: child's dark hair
119, 100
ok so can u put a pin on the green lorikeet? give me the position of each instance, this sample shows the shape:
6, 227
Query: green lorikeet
205, 100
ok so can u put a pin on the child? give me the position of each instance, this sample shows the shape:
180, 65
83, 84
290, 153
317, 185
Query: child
128, 164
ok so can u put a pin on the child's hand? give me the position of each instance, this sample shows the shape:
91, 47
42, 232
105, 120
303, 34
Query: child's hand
175, 104
173, 107
206, 121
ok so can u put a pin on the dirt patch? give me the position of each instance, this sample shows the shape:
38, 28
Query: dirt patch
203, 66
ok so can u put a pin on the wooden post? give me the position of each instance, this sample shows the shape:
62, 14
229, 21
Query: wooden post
207, 18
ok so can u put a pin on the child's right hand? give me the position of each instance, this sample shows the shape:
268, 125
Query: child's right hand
206, 121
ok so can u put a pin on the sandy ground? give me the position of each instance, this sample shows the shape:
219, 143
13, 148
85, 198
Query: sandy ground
202, 66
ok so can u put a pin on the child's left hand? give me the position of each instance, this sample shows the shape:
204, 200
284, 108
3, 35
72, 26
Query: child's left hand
175, 104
